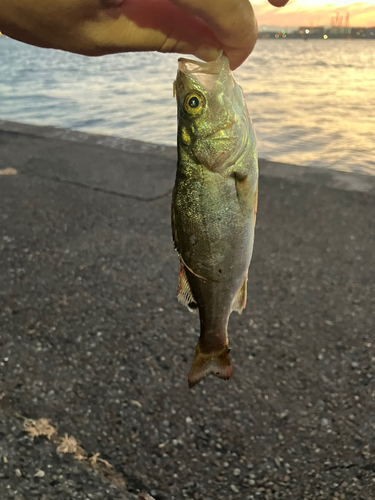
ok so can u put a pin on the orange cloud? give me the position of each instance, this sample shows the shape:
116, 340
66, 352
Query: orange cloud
299, 13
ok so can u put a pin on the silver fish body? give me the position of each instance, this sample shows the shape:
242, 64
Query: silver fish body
214, 205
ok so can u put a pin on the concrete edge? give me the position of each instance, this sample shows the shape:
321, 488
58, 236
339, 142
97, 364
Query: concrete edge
348, 181
335, 179
49, 132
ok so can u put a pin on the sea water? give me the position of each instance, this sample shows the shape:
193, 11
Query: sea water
312, 102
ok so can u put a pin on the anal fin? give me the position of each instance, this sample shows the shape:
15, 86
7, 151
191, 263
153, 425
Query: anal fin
239, 301
184, 293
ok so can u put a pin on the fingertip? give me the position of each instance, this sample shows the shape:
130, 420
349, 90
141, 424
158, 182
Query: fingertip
238, 56
278, 3
235, 61
207, 53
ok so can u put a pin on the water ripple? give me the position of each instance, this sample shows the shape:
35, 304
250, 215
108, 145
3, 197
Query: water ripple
311, 102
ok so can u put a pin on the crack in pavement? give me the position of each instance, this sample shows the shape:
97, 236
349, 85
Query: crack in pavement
99, 189
351, 466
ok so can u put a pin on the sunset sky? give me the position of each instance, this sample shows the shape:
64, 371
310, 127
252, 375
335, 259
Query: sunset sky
314, 12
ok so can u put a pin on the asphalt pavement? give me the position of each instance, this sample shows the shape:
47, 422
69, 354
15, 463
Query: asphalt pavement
93, 340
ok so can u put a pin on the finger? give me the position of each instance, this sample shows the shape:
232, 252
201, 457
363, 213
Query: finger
232, 22
151, 25
278, 3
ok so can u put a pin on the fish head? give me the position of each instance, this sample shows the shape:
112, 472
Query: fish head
214, 124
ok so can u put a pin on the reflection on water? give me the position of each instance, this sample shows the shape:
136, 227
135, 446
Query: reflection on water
311, 102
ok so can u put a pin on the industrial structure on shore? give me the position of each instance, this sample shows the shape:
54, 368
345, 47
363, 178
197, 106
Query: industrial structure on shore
339, 28
324, 32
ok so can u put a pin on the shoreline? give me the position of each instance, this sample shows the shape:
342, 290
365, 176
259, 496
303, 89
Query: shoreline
336, 179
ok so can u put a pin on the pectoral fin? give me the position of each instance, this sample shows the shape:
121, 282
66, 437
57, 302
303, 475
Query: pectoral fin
239, 301
184, 293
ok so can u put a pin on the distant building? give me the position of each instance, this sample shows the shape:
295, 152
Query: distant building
311, 32
339, 31
353, 33
319, 32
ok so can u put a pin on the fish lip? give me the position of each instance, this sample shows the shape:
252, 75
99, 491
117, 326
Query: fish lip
215, 135
194, 61
209, 68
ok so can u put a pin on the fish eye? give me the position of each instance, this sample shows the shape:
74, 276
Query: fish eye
194, 103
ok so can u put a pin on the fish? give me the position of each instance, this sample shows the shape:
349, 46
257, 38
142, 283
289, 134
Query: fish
214, 205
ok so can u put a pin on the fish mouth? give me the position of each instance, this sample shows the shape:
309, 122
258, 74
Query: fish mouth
205, 73
219, 137
223, 132
191, 66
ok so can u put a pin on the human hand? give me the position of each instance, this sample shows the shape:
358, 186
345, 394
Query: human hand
97, 27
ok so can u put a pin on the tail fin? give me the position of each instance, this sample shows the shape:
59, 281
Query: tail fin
218, 363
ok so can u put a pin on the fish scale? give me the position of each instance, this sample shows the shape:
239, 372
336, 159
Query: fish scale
214, 205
